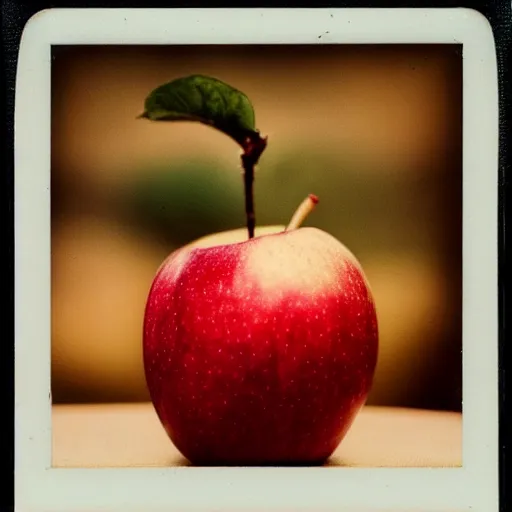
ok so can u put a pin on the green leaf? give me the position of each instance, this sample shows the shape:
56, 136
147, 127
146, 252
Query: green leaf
205, 100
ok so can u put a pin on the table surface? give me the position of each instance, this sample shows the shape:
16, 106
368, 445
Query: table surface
130, 435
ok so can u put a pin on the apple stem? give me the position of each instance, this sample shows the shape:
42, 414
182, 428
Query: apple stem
253, 147
304, 209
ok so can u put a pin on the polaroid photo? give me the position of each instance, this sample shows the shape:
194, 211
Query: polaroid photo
256, 260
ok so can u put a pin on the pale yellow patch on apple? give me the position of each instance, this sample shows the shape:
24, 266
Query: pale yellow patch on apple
305, 259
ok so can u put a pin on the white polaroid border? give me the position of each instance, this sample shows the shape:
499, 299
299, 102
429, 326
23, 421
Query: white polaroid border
38, 487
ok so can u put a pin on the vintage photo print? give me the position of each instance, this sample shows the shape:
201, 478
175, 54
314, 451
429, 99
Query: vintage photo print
256, 260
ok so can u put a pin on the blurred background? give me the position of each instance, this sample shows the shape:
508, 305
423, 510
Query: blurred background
374, 131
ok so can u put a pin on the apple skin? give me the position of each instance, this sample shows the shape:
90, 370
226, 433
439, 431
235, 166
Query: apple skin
260, 352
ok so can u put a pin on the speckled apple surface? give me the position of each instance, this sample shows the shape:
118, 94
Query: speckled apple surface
260, 352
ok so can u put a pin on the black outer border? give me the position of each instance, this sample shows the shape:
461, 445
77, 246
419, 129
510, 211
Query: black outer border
14, 16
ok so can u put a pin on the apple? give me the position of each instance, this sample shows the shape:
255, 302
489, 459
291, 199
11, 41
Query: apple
260, 351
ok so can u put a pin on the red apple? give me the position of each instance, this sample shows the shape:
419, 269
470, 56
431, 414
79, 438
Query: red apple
260, 352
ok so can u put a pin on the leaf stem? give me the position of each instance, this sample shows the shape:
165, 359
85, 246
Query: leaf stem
253, 147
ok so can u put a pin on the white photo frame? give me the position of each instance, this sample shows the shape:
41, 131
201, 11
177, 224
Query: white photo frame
43, 488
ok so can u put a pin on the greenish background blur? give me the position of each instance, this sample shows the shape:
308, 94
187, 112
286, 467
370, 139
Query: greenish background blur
374, 131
